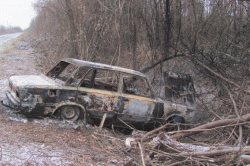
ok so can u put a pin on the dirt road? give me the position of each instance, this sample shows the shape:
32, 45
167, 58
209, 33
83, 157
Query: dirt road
49, 141
5, 38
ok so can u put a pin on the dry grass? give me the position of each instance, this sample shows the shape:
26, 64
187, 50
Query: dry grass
10, 47
9, 50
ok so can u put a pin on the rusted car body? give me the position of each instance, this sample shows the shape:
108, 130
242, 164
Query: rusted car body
77, 89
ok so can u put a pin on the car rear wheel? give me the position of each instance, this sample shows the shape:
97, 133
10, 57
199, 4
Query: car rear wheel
70, 113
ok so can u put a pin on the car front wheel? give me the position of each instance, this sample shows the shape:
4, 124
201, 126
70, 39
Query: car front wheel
70, 113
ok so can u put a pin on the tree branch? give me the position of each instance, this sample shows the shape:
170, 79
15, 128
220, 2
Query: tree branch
146, 69
221, 77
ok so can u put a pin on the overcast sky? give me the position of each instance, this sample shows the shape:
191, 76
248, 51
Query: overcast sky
16, 13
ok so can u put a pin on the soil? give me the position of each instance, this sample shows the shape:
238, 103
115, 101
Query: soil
49, 141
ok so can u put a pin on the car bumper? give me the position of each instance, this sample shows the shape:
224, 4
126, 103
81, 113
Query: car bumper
11, 102
29, 108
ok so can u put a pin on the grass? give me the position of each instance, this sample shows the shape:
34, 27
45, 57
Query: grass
9, 47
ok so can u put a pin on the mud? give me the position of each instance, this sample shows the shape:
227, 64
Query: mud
48, 141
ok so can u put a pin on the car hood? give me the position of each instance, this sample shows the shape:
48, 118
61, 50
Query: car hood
31, 81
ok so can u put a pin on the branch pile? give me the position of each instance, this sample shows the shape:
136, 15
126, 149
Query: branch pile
162, 148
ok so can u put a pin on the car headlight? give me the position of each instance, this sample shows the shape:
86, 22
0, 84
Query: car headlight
25, 96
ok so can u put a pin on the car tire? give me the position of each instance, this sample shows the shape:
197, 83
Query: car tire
71, 113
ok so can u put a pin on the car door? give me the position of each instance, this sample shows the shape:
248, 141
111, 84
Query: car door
98, 92
138, 99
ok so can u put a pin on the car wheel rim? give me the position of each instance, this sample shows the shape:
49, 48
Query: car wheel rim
70, 113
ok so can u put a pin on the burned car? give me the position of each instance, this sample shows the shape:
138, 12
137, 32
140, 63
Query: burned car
76, 89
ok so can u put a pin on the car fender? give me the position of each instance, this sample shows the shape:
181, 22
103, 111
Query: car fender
68, 103
179, 118
171, 110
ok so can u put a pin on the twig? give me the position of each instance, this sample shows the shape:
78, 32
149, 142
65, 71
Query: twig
239, 141
103, 120
126, 124
209, 109
152, 132
108, 136
229, 136
1, 153
221, 77
165, 153
142, 156
177, 163
206, 159
37, 156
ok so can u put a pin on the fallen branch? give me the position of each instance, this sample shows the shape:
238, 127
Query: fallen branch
142, 156
146, 136
210, 153
239, 141
179, 162
199, 129
218, 152
245, 159
166, 141
103, 120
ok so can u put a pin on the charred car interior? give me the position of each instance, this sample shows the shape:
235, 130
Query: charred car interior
76, 89
179, 88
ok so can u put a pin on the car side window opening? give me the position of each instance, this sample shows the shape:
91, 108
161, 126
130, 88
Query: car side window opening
81, 72
77, 76
136, 85
101, 79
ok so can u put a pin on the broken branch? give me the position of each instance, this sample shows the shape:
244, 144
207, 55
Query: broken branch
142, 156
220, 76
199, 129
218, 152
146, 69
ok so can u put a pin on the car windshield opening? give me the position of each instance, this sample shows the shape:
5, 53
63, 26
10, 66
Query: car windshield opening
62, 71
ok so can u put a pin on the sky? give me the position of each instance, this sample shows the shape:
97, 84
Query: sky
16, 13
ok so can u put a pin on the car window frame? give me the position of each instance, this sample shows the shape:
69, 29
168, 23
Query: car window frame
152, 96
93, 77
120, 84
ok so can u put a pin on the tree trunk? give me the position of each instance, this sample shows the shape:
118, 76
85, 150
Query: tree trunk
167, 29
73, 30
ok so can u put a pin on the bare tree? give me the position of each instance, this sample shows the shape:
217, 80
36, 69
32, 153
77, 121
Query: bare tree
73, 30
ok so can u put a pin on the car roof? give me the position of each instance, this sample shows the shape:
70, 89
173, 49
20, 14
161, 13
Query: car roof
82, 63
